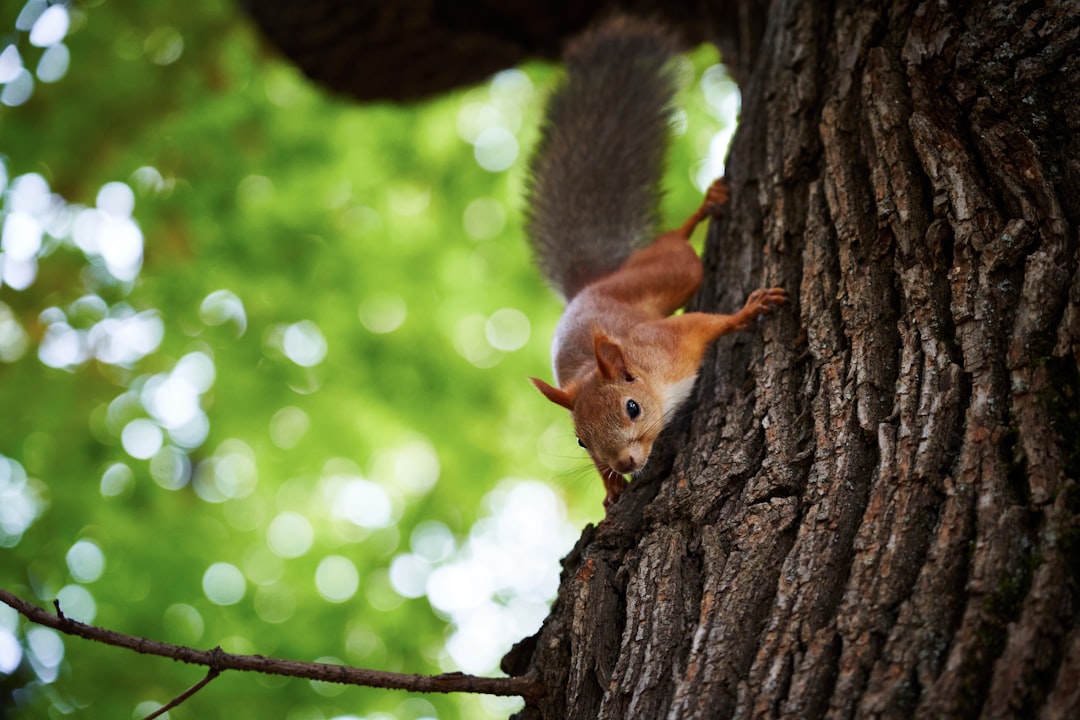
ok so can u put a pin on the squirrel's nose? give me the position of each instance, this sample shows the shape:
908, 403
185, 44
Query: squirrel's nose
627, 464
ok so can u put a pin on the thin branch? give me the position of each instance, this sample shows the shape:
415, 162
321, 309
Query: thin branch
210, 675
527, 686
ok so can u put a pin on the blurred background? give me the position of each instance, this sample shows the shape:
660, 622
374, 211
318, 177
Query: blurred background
263, 361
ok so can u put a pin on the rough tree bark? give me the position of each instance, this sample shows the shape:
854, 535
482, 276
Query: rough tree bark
870, 509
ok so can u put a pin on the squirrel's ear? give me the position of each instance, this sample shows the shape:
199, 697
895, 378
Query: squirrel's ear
610, 359
554, 394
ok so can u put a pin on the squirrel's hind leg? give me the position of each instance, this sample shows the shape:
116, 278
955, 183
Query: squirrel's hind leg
663, 276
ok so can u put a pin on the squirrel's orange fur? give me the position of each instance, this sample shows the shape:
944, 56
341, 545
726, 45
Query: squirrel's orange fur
617, 343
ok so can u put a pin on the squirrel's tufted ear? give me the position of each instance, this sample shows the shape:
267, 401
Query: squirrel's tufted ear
565, 398
610, 359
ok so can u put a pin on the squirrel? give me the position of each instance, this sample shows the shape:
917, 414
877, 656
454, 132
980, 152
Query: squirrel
623, 363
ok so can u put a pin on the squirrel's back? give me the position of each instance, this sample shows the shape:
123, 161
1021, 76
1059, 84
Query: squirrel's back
594, 191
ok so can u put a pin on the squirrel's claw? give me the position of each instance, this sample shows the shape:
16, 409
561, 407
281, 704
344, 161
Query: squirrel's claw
763, 300
716, 197
614, 484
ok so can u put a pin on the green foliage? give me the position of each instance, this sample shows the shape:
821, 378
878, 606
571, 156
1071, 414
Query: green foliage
306, 400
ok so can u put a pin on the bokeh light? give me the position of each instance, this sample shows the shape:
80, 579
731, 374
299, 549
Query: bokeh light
275, 603
336, 578
304, 343
54, 63
360, 501
288, 426
21, 502
85, 561
722, 101
10, 63
170, 467
183, 623
164, 46
46, 652
50, 27
224, 306
496, 149
142, 438
77, 603
10, 651
19, 89
290, 535
484, 218
507, 329
224, 584
495, 587
383, 313
117, 480
14, 340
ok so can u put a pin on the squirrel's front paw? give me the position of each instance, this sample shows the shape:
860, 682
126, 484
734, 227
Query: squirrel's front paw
716, 196
763, 300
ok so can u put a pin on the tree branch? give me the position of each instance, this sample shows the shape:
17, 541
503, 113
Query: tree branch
526, 686
210, 675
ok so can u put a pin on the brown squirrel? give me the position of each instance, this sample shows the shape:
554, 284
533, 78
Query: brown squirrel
622, 362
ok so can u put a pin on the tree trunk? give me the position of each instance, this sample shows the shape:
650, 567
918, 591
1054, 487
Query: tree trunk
870, 508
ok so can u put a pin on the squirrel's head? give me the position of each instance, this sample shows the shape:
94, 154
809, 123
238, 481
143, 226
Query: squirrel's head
617, 414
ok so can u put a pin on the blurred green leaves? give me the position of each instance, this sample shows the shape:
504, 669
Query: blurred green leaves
262, 359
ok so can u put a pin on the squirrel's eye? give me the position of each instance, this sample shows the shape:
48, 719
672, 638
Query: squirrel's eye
581, 444
633, 409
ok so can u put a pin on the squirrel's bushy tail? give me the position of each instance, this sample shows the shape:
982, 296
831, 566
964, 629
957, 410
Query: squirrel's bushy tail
594, 191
